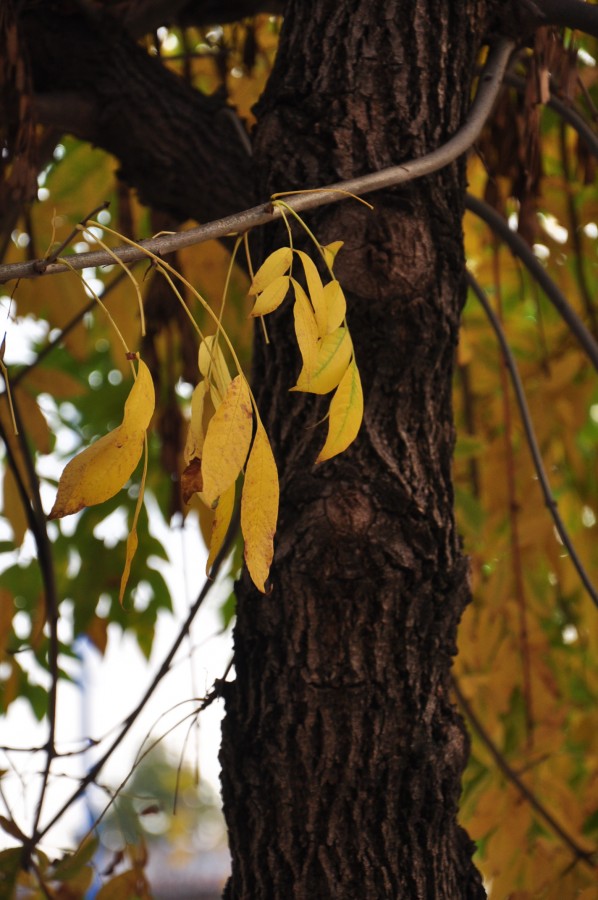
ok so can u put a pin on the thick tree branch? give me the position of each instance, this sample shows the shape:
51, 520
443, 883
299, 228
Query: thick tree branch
142, 18
489, 86
180, 149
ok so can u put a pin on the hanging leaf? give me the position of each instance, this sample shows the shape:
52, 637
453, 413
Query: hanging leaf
222, 519
316, 292
330, 251
227, 440
259, 509
332, 358
277, 264
272, 296
195, 434
346, 414
212, 365
100, 471
306, 328
336, 306
139, 405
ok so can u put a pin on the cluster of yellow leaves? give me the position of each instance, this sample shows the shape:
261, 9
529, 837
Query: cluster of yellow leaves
225, 434
216, 453
322, 337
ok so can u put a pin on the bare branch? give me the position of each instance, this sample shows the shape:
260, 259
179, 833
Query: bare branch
520, 248
92, 774
531, 438
37, 522
488, 88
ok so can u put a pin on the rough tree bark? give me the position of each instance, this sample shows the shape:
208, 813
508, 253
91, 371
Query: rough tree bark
342, 752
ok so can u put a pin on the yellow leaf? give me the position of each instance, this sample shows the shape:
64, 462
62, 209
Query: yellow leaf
195, 435
306, 328
336, 305
333, 357
330, 251
222, 517
346, 413
227, 440
259, 509
212, 363
316, 292
100, 471
272, 296
139, 406
278, 263
132, 544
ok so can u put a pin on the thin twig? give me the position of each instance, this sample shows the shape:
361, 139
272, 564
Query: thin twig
37, 521
92, 774
549, 500
513, 515
488, 87
500, 226
53, 256
579, 853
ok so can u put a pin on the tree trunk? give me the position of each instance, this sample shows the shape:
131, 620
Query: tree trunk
342, 752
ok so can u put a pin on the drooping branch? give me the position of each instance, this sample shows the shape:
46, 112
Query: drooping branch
501, 227
489, 86
530, 434
508, 771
